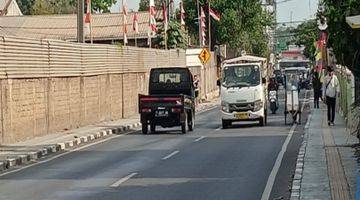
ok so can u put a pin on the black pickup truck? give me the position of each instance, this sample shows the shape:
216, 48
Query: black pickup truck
171, 100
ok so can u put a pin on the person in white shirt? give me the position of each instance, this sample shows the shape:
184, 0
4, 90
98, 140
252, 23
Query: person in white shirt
331, 89
197, 88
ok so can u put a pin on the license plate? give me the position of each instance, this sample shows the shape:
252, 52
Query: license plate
242, 116
161, 113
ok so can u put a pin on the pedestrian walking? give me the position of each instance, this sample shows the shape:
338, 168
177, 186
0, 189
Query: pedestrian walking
317, 88
196, 87
331, 90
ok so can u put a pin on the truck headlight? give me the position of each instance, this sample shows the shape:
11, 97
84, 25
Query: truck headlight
225, 107
258, 105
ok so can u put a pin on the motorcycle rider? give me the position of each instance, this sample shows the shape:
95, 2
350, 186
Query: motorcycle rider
273, 85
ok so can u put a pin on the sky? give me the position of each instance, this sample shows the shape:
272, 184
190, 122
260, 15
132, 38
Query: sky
299, 9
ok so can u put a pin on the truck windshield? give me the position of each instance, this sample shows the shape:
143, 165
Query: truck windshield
241, 76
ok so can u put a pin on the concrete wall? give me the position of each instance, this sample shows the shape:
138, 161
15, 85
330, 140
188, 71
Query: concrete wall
50, 86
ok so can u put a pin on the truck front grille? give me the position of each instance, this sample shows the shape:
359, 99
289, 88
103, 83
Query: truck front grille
241, 107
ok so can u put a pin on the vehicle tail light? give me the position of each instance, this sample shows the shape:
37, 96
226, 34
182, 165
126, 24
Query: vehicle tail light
149, 99
172, 99
146, 110
176, 110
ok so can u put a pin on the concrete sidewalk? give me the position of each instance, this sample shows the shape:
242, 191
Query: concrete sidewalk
27, 152
326, 166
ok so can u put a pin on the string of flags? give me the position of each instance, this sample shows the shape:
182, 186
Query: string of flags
167, 11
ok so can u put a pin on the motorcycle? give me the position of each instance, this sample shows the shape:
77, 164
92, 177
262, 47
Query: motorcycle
273, 101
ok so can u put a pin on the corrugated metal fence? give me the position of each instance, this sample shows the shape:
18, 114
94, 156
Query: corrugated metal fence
26, 58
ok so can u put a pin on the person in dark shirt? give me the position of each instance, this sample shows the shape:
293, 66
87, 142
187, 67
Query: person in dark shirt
273, 85
317, 88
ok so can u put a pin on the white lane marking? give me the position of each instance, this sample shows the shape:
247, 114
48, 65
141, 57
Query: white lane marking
123, 180
275, 170
218, 129
64, 154
170, 155
200, 138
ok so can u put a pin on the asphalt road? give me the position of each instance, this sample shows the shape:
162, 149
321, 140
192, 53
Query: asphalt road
209, 163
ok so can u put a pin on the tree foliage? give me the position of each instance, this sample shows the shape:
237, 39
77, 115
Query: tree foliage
47, 7
40, 7
242, 26
144, 5
344, 41
176, 37
284, 37
25, 6
102, 6
306, 35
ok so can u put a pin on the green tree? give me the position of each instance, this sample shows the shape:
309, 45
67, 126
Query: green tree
25, 6
284, 37
176, 37
343, 40
242, 26
306, 34
40, 7
144, 5
102, 6
47, 7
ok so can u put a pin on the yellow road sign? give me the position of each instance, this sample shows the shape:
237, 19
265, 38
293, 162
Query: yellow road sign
204, 56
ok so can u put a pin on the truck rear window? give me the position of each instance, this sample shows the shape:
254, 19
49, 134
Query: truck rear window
169, 77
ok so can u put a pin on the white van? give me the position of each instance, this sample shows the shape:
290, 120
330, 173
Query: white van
243, 93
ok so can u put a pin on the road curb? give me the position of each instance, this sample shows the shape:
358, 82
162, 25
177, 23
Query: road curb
34, 155
296, 184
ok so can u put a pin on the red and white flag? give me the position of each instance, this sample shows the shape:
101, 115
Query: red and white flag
88, 12
136, 23
214, 14
182, 14
203, 27
152, 13
87, 20
165, 16
124, 11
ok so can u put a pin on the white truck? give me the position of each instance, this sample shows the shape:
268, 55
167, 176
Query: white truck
243, 90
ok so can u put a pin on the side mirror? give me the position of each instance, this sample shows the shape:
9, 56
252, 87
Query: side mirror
218, 82
263, 80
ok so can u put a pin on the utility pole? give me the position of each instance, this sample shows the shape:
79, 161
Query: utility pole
80, 21
199, 21
209, 24
124, 21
